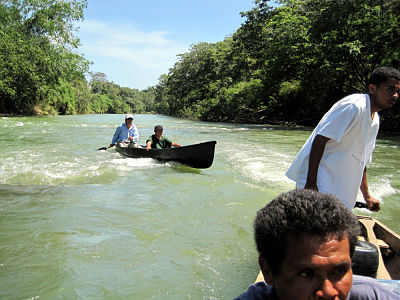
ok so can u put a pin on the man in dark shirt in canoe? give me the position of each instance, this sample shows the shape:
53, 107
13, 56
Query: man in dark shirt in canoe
158, 141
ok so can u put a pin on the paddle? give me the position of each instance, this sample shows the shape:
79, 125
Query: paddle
104, 148
360, 205
364, 205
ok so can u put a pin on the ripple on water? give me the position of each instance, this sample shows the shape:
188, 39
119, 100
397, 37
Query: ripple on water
76, 223
51, 167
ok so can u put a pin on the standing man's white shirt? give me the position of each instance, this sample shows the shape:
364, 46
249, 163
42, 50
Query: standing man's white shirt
352, 133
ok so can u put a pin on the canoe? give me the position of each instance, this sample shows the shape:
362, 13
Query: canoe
199, 156
385, 261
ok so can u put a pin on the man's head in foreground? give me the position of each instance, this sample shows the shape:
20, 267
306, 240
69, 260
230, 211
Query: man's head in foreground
305, 240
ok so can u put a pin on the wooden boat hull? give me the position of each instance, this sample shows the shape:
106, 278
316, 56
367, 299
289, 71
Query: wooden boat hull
387, 242
199, 156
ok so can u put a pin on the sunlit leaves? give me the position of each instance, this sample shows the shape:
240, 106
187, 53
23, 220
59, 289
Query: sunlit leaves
36, 51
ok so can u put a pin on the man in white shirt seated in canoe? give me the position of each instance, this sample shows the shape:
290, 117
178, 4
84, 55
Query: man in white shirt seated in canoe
305, 240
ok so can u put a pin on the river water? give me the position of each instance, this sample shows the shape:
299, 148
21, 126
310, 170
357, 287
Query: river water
77, 223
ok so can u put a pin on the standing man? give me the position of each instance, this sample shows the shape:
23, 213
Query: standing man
158, 141
334, 158
126, 134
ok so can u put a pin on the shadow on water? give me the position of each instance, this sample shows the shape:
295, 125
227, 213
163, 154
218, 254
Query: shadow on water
12, 191
183, 169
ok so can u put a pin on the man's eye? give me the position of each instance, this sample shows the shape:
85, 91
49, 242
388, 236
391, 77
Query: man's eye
306, 273
339, 272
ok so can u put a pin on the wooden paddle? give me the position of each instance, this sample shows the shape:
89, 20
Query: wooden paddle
104, 148
361, 205
364, 205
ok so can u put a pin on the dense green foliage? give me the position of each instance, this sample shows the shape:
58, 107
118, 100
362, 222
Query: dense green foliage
41, 74
36, 44
286, 63
109, 97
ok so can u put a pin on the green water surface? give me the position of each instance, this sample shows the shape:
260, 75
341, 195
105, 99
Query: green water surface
77, 223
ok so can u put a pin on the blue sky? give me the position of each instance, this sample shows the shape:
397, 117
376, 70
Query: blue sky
135, 41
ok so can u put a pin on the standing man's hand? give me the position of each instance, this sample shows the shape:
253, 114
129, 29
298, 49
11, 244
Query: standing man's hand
373, 204
311, 186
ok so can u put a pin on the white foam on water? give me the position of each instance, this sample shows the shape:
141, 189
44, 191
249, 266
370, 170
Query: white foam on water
26, 167
19, 124
56, 175
384, 146
265, 165
383, 188
379, 190
222, 128
234, 204
127, 164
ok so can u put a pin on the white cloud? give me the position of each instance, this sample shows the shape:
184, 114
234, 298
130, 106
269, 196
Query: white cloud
128, 56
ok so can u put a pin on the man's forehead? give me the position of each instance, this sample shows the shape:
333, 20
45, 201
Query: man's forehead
316, 253
312, 240
392, 82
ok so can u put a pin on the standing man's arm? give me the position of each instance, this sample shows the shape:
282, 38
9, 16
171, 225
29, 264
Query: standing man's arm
317, 150
372, 203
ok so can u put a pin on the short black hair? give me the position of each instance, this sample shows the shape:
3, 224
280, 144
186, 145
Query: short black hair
382, 74
299, 212
158, 127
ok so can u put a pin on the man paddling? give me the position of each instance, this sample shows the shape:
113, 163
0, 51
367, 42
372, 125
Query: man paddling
335, 157
158, 141
126, 135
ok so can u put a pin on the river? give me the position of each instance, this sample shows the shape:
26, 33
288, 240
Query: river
77, 223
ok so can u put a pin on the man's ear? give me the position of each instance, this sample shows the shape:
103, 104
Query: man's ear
372, 89
266, 270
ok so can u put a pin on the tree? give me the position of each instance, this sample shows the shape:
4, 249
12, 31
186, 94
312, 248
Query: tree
37, 43
98, 76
